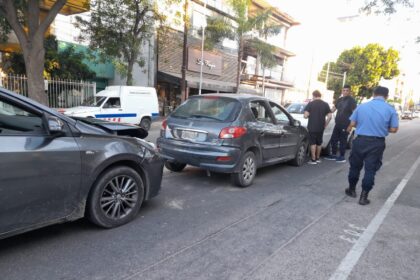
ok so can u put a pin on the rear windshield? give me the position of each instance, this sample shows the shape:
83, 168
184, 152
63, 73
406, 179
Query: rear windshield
296, 108
209, 108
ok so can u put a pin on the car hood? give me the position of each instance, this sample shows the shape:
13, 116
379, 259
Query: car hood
122, 129
80, 110
299, 117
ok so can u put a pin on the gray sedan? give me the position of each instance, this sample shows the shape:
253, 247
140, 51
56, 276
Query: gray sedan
55, 169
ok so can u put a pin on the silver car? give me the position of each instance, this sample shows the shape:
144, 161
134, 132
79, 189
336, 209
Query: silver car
55, 169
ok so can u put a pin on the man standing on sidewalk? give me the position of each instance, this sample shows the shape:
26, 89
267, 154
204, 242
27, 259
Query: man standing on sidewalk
316, 111
345, 106
373, 121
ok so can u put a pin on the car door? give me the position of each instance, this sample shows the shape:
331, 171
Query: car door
267, 131
39, 172
290, 133
111, 110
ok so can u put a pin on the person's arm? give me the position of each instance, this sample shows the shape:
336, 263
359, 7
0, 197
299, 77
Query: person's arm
394, 123
351, 125
307, 111
333, 109
329, 117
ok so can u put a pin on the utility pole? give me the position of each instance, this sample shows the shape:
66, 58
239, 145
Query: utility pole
326, 76
184, 55
344, 78
203, 30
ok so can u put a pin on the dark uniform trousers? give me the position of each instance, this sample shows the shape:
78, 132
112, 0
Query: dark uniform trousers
367, 151
339, 135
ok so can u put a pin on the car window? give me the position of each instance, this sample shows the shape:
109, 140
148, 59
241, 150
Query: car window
16, 120
296, 108
112, 102
211, 108
279, 114
260, 111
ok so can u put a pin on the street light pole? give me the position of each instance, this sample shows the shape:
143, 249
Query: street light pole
202, 49
344, 78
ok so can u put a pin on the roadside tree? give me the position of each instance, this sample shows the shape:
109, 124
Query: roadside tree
118, 29
25, 20
64, 64
365, 67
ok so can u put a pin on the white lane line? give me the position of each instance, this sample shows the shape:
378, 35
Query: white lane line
353, 256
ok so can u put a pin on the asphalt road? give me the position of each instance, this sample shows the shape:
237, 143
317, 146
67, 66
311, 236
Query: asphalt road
293, 223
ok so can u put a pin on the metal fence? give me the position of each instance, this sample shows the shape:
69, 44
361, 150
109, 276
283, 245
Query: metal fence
61, 93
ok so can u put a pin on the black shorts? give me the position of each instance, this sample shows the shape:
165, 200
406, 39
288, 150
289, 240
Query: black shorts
315, 138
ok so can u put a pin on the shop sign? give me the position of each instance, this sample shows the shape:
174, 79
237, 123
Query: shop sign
212, 63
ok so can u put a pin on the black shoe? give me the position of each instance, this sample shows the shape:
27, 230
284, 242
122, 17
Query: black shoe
364, 198
351, 192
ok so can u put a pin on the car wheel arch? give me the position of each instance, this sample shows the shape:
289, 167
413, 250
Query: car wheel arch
257, 154
126, 162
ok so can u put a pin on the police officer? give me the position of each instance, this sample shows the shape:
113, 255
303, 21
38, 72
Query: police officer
373, 121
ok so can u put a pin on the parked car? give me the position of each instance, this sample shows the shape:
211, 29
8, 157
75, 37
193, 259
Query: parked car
231, 133
297, 110
407, 115
128, 104
55, 169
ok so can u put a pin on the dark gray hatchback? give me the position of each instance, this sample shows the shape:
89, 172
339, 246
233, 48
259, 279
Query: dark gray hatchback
231, 133
55, 169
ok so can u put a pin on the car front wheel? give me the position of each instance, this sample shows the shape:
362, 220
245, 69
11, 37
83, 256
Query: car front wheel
246, 175
116, 197
300, 155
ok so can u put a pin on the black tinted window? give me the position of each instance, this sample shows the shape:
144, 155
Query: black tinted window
15, 120
210, 107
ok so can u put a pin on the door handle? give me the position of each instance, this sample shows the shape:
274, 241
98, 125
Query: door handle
120, 109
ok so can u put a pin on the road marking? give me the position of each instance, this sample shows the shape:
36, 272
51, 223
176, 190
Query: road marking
353, 256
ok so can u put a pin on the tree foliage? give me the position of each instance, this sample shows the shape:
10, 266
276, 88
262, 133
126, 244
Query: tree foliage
118, 29
245, 25
385, 6
29, 23
365, 67
64, 64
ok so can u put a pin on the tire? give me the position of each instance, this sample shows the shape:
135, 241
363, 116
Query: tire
245, 177
116, 197
300, 156
175, 166
145, 123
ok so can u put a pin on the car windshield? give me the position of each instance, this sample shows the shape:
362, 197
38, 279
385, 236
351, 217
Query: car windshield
296, 108
212, 108
94, 101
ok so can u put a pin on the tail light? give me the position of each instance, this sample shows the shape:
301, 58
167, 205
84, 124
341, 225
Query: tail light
164, 124
232, 132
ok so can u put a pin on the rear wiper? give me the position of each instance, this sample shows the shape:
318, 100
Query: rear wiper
204, 116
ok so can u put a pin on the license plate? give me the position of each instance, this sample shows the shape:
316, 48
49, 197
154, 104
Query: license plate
186, 134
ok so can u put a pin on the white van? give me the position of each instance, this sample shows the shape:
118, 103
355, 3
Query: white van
128, 104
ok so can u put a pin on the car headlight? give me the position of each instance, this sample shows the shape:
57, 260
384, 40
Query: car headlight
148, 149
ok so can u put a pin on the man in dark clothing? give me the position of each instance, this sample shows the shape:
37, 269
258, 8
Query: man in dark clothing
316, 111
373, 121
345, 106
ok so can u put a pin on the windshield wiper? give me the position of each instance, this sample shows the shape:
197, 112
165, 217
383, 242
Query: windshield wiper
204, 116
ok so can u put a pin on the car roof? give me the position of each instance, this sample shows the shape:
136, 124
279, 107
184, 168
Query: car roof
238, 96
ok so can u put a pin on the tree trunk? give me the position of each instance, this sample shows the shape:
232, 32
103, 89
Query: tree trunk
238, 73
130, 72
34, 62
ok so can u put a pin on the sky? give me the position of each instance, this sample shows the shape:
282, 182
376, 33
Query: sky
322, 36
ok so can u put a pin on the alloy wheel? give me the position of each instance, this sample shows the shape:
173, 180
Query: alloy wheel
248, 169
119, 197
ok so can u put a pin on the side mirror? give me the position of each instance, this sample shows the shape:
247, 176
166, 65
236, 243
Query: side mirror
296, 123
55, 125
